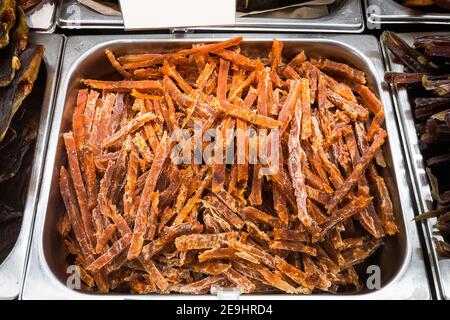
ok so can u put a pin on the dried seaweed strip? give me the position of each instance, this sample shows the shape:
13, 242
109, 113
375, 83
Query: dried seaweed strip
134, 125
358, 171
75, 172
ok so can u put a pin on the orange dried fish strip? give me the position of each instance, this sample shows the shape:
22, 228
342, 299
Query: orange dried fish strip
343, 70
155, 275
143, 148
358, 172
117, 248
248, 115
116, 64
69, 198
202, 241
203, 286
131, 127
259, 216
217, 254
150, 184
289, 106
210, 268
353, 110
240, 281
293, 273
346, 212
125, 85
169, 237
239, 59
75, 172
295, 163
293, 247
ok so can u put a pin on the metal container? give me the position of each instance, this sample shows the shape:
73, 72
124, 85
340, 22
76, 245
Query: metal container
403, 274
345, 16
422, 190
42, 18
12, 270
379, 12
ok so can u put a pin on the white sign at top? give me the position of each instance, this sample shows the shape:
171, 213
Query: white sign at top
152, 14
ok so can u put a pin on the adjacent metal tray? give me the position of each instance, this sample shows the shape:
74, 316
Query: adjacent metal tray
42, 18
12, 270
381, 12
345, 16
424, 201
403, 274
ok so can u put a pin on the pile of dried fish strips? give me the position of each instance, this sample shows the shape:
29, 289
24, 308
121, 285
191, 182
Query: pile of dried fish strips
140, 220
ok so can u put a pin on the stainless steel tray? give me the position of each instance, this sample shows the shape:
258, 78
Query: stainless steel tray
42, 18
403, 274
12, 270
345, 16
381, 12
424, 201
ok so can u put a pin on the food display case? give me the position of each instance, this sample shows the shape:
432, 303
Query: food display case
421, 186
344, 16
404, 275
12, 269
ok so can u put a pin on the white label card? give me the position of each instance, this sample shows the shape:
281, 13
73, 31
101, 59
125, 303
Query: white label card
153, 14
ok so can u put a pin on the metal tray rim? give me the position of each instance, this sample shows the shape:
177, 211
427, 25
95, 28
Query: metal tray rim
250, 24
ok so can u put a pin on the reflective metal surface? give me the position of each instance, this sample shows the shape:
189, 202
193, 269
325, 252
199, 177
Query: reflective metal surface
12, 271
345, 16
42, 18
440, 267
403, 274
391, 12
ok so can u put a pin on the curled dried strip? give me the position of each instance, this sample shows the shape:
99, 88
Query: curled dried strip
116, 64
